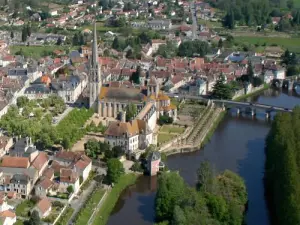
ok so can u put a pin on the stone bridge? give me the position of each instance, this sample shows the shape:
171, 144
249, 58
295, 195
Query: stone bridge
289, 83
250, 107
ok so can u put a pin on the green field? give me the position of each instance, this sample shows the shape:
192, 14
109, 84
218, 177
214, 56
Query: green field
37, 52
112, 198
163, 137
292, 44
172, 129
87, 211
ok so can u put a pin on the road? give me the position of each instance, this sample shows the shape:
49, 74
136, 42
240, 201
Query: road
194, 19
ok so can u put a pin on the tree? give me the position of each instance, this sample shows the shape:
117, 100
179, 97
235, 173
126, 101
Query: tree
59, 41
229, 21
24, 34
290, 4
70, 189
164, 119
12, 35
220, 43
22, 101
205, 177
75, 40
115, 170
66, 143
170, 189
34, 218
104, 4
117, 151
28, 28
136, 75
131, 111
222, 90
116, 44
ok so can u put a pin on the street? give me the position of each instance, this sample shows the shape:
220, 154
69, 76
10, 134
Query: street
194, 18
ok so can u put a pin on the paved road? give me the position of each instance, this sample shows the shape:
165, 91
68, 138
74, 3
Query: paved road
194, 19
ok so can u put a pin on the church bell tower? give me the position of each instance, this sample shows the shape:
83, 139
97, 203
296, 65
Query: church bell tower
95, 81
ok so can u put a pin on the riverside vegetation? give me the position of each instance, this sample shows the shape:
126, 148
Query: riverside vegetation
217, 199
282, 176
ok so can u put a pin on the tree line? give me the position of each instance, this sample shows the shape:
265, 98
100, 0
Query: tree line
215, 200
254, 12
29, 119
282, 168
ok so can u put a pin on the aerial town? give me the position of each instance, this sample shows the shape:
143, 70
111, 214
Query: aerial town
96, 96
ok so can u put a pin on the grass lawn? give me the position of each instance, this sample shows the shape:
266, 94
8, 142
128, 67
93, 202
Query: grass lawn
24, 207
175, 101
172, 129
112, 198
37, 52
19, 222
164, 137
87, 211
64, 219
291, 43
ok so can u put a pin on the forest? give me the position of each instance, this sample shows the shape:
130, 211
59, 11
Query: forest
258, 13
216, 199
282, 177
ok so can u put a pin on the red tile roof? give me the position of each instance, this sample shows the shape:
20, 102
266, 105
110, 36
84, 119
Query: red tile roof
40, 161
44, 205
15, 162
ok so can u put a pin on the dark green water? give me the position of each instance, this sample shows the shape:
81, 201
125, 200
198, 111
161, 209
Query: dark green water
237, 145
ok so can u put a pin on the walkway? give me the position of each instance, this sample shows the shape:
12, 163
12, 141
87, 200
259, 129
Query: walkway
76, 204
96, 210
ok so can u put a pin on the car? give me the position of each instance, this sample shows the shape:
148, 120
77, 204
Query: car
286, 109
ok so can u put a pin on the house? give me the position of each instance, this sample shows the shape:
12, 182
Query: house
273, 51
156, 43
83, 167
40, 163
5, 144
131, 136
44, 187
43, 207
21, 184
160, 24
154, 163
67, 178
198, 87
8, 217
275, 20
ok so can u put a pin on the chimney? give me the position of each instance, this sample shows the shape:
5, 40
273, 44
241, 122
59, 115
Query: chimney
123, 117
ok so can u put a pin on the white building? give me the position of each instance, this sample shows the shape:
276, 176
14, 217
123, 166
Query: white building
131, 136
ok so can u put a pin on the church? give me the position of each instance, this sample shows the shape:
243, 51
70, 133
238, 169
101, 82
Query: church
109, 100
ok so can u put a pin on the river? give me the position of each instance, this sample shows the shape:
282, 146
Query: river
237, 145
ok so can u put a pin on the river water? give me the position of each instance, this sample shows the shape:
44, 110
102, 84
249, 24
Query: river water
237, 145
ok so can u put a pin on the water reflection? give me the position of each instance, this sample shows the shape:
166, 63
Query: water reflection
237, 145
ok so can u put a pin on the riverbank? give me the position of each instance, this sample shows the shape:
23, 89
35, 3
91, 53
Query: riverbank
112, 198
210, 122
251, 94
213, 128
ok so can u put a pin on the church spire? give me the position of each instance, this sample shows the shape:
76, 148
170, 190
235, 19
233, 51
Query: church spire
94, 48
